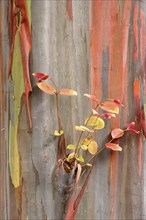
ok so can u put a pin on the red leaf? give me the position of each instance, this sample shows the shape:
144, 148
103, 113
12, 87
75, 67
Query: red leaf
92, 97
45, 87
114, 147
117, 101
67, 92
117, 133
131, 125
40, 76
134, 131
110, 107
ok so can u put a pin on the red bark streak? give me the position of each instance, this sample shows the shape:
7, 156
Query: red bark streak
118, 77
25, 43
143, 47
125, 57
135, 30
13, 29
143, 120
99, 32
2, 127
136, 89
69, 9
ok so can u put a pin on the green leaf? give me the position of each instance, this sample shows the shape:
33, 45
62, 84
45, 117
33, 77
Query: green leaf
95, 122
57, 133
80, 158
70, 147
92, 147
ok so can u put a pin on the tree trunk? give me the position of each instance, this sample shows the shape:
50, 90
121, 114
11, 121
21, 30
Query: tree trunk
95, 47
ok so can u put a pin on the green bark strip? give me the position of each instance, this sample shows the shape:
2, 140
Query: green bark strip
19, 89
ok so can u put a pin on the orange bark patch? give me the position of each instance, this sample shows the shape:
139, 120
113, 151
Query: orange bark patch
135, 29
69, 9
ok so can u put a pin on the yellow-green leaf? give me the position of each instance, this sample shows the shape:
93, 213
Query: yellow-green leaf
88, 164
45, 87
92, 147
19, 90
95, 122
58, 133
67, 92
70, 147
80, 158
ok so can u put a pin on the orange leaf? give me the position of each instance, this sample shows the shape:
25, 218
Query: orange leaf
92, 97
110, 107
45, 87
114, 147
67, 92
117, 132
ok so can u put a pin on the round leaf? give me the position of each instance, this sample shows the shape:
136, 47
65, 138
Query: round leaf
117, 133
95, 122
92, 147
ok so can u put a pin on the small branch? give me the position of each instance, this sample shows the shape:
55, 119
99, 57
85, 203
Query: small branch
58, 112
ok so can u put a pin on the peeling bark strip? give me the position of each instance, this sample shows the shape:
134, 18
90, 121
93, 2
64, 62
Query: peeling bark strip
19, 67
2, 126
19, 23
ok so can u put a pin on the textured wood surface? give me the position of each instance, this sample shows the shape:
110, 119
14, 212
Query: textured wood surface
96, 47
